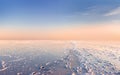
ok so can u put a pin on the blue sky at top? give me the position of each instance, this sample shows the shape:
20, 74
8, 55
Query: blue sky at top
25, 13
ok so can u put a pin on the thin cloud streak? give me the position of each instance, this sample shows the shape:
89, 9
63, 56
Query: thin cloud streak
113, 12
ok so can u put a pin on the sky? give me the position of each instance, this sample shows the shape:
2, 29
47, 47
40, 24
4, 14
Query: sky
60, 19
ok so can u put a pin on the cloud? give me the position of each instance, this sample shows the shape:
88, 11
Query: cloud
115, 22
113, 12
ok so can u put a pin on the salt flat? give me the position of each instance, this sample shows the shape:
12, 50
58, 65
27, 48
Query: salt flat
45, 57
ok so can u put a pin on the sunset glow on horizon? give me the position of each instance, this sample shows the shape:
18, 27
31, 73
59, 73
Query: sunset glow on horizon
74, 33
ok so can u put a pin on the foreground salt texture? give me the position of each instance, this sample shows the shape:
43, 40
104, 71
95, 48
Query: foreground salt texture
66, 58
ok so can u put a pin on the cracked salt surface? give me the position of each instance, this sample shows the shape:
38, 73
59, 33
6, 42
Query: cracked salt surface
60, 58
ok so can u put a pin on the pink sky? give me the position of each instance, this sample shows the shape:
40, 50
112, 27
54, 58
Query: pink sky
100, 32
